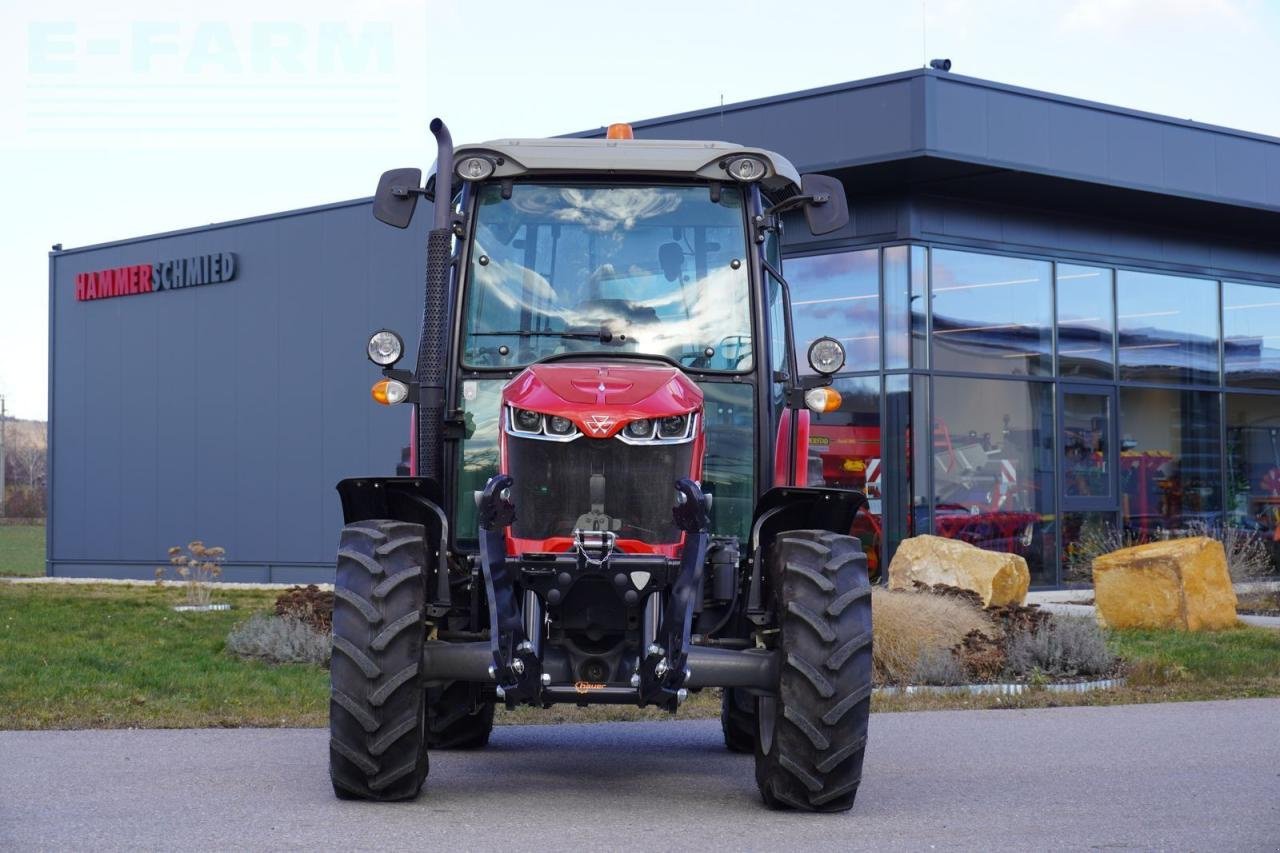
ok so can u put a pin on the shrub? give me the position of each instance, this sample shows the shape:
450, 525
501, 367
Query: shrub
908, 624
938, 666
1061, 646
278, 639
1248, 555
309, 604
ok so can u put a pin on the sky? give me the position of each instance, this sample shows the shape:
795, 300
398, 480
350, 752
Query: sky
132, 118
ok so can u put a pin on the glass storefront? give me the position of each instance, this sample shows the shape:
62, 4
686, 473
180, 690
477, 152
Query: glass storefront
1043, 406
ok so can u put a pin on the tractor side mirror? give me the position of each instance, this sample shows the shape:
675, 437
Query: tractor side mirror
397, 196
828, 209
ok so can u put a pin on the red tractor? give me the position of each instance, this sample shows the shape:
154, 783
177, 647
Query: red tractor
609, 430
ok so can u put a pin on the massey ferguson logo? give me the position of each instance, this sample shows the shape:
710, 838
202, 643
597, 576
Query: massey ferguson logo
600, 424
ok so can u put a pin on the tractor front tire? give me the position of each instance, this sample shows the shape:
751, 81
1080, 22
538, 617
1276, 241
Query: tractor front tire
738, 719
377, 708
812, 736
454, 722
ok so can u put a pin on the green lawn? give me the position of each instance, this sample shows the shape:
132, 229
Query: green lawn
74, 656
118, 656
21, 550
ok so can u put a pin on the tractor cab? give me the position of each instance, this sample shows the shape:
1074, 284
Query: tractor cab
610, 437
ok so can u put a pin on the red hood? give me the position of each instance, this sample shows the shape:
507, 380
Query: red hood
602, 398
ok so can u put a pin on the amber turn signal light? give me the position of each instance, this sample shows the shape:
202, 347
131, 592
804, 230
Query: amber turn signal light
819, 400
388, 392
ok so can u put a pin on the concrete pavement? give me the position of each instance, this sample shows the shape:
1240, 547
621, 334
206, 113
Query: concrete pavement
1189, 776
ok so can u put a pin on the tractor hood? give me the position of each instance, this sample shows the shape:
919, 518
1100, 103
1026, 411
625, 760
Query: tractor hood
603, 397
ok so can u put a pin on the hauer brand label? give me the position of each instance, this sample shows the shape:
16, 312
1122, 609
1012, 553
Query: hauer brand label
159, 275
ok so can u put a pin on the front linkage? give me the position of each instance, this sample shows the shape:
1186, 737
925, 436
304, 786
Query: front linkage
662, 671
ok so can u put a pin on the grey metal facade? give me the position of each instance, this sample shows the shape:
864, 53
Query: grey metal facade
227, 412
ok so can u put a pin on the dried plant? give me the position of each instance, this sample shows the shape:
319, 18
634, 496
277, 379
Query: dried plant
909, 625
308, 603
1248, 554
938, 666
1063, 646
1095, 539
279, 639
197, 566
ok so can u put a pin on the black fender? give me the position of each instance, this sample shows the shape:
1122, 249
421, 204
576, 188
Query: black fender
412, 499
784, 508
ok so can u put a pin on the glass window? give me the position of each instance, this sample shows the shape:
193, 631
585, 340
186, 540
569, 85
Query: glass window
1085, 535
1253, 469
993, 468
897, 307
1251, 335
1170, 471
919, 449
1168, 328
919, 306
895, 450
837, 295
991, 314
729, 464
844, 453
481, 407
1087, 475
640, 269
1086, 322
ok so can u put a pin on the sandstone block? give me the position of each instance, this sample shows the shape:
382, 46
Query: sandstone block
999, 578
1179, 583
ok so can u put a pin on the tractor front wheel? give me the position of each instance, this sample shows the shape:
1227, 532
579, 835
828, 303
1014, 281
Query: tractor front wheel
738, 719
377, 708
812, 736
454, 721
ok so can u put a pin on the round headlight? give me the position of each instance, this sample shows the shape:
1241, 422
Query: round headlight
746, 169
642, 428
826, 356
673, 427
559, 426
385, 348
527, 421
475, 168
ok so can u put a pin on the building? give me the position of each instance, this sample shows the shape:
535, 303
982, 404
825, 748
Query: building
1060, 318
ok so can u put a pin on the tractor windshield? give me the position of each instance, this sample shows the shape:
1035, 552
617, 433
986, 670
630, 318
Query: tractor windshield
658, 270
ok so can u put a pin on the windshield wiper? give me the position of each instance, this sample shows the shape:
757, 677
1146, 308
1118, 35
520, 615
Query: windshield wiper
604, 336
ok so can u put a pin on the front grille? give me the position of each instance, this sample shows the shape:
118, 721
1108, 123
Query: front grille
552, 485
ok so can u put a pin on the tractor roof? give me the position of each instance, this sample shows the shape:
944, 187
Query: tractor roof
669, 158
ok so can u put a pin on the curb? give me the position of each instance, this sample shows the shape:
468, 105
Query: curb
1002, 689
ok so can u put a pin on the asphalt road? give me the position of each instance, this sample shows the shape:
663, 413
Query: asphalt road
1195, 776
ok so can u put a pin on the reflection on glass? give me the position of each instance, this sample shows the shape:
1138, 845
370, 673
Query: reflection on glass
1086, 427
481, 405
1251, 335
729, 464
1168, 328
993, 467
605, 269
991, 314
1253, 466
897, 307
844, 453
919, 449
837, 295
1170, 472
919, 306
1086, 322
1085, 535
